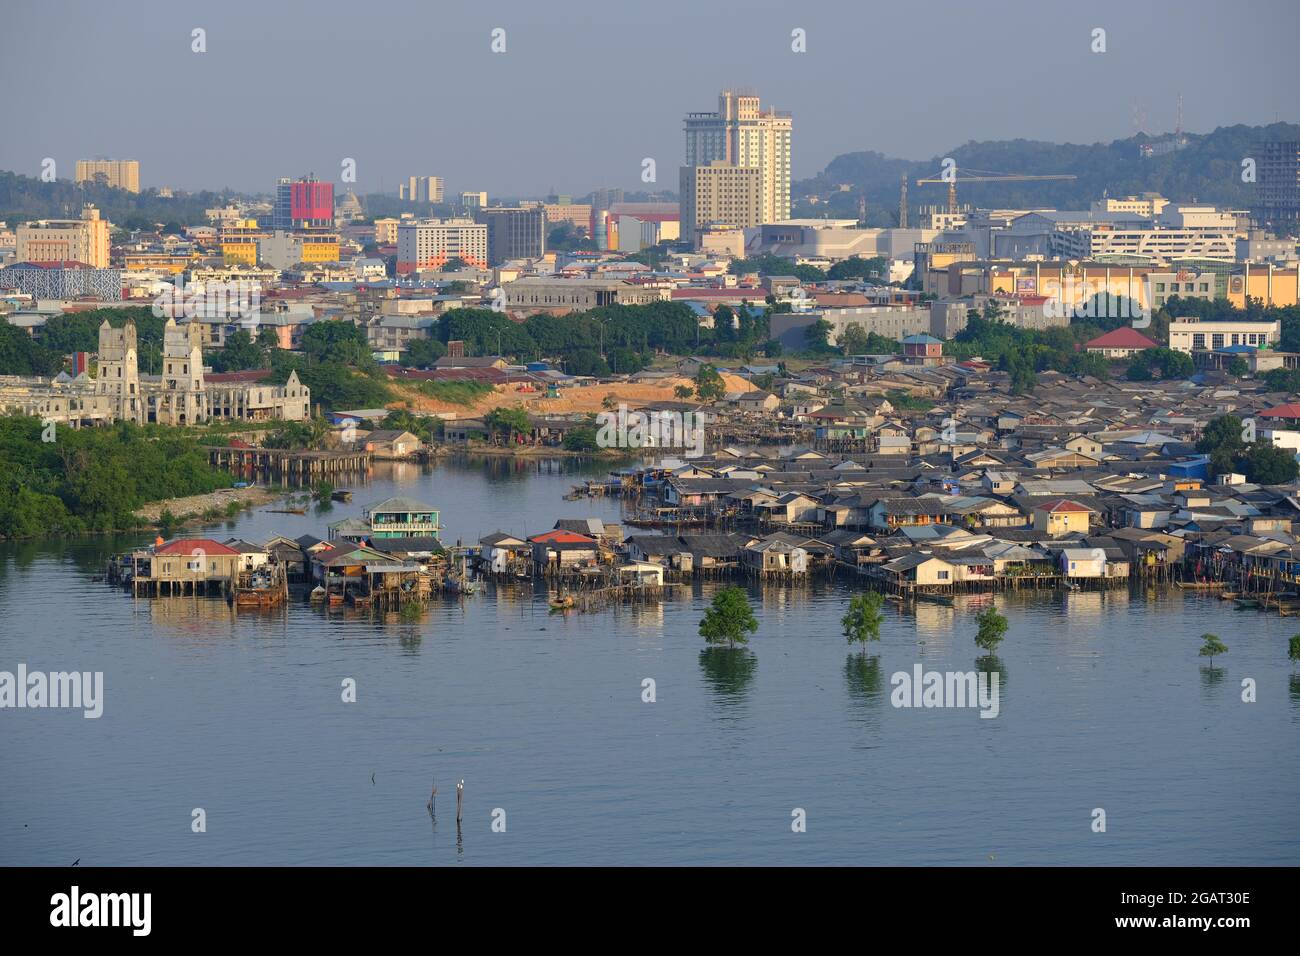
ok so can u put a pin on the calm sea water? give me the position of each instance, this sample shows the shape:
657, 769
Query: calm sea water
1104, 704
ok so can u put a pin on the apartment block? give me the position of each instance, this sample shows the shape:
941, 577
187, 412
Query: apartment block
421, 189
118, 173
743, 133
722, 194
431, 243
66, 240
1279, 183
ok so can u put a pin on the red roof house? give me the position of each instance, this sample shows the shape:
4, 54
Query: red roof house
1121, 343
1289, 410
190, 545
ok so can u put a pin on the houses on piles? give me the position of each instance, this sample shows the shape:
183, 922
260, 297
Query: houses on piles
1084, 484
388, 557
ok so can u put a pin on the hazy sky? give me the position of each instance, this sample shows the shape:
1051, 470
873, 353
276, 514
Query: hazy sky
585, 91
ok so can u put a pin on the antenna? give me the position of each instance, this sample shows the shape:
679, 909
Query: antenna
902, 204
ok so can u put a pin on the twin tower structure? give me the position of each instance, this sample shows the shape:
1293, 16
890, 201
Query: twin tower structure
177, 398
178, 394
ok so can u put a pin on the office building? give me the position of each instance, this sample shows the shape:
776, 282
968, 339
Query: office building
514, 232
305, 203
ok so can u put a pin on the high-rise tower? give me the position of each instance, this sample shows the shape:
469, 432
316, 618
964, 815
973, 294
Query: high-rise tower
743, 133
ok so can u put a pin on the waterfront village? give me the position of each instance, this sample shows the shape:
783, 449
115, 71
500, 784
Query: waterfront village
1083, 485
924, 399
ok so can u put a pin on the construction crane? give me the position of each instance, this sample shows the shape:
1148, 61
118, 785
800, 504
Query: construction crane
981, 176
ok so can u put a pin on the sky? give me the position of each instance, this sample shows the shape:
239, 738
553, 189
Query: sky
584, 92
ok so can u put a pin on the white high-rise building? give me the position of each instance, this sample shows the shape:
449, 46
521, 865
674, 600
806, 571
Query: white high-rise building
742, 133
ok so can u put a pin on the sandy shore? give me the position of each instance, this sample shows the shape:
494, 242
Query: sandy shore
195, 505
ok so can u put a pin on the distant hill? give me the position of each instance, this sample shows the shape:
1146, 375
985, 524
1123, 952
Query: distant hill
1207, 169
27, 197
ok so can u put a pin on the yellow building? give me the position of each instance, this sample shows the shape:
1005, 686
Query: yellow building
1061, 517
320, 249
1268, 283
118, 173
156, 262
238, 241
386, 232
66, 240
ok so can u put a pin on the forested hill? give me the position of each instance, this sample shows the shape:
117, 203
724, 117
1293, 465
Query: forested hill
1208, 169
27, 197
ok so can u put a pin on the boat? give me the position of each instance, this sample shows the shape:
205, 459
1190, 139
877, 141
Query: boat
287, 511
317, 595
1229, 595
945, 599
344, 496
561, 603
1247, 602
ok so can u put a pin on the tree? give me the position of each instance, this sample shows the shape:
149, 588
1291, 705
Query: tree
587, 362
581, 438
507, 421
1267, 464
855, 267
709, 384
240, 353
817, 336
1211, 645
421, 353
1021, 369
1237, 367
992, 628
683, 391
1293, 649
862, 622
624, 361
729, 620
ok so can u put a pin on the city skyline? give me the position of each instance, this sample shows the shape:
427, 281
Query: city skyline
855, 88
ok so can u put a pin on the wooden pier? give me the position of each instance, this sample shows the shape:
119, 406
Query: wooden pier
297, 466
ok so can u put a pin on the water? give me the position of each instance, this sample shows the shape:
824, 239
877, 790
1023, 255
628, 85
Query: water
1105, 705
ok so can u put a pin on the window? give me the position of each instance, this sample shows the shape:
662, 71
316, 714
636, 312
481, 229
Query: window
942, 575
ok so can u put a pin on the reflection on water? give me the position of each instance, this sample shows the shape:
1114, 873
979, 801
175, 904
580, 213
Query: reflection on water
992, 664
864, 679
1212, 677
729, 671
541, 714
